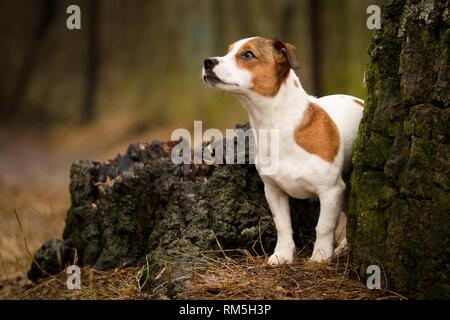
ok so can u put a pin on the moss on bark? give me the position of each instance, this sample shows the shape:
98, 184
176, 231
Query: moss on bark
399, 214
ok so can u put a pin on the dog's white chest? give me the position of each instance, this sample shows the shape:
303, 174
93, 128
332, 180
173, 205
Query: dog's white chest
290, 180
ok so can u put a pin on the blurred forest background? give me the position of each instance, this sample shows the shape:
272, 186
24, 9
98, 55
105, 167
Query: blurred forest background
132, 73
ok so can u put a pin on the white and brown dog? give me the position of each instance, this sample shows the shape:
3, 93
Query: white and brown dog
316, 136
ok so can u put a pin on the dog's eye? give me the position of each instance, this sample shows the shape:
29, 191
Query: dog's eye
247, 55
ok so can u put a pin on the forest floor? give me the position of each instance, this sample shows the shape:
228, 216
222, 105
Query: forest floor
34, 179
244, 278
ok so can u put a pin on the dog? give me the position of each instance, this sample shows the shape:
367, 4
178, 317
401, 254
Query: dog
315, 137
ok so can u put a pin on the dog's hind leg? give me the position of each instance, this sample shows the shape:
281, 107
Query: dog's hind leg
341, 230
340, 235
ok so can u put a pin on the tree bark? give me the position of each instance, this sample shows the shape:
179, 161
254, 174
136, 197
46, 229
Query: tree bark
400, 198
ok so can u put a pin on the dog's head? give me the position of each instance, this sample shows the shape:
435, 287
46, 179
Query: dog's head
252, 65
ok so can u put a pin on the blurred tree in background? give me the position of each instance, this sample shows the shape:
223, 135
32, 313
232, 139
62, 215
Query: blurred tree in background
144, 57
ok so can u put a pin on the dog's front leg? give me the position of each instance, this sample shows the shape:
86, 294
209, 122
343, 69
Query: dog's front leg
330, 209
279, 205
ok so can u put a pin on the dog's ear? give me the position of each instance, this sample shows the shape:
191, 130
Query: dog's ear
286, 52
291, 54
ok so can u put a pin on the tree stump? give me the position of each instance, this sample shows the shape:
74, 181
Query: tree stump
141, 208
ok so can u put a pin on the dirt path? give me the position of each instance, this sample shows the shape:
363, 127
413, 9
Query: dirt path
28, 160
34, 181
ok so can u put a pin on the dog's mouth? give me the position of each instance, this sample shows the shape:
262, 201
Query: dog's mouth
212, 79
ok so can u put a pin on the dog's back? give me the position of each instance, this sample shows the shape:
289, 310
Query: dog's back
346, 111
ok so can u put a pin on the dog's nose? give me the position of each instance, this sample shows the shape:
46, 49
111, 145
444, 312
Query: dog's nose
210, 63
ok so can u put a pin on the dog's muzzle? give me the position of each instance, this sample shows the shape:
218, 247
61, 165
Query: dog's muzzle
209, 75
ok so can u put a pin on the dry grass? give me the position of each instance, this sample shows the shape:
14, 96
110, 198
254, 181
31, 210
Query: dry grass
42, 213
240, 278
119, 284
250, 277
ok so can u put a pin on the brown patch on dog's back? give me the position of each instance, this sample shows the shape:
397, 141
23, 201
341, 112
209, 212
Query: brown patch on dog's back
318, 134
359, 102
268, 68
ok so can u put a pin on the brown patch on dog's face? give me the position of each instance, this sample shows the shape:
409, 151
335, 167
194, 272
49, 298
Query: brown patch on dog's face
269, 63
359, 102
318, 134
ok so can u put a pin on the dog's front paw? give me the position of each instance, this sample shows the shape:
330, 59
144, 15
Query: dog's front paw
283, 256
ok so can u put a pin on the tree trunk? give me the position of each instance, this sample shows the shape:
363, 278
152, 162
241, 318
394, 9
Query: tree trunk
315, 9
14, 105
399, 215
88, 111
288, 13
